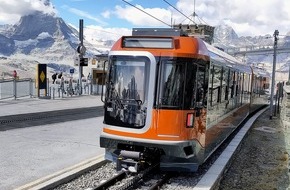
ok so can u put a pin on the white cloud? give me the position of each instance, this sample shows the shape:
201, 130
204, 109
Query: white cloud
246, 17
12, 10
139, 18
92, 32
106, 14
84, 14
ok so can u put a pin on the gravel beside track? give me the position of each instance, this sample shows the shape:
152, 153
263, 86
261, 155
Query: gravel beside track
90, 179
262, 161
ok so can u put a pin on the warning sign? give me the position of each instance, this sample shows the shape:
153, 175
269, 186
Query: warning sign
41, 79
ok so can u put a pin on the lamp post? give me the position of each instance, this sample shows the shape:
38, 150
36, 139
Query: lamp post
276, 33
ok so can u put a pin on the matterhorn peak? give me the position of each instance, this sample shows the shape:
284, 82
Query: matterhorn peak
225, 32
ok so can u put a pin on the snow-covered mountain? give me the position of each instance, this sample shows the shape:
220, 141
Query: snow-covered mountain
225, 38
42, 38
41, 34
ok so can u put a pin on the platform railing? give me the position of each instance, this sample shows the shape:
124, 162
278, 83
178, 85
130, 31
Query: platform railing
14, 88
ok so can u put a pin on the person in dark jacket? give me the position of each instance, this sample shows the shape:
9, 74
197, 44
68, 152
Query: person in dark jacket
53, 77
60, 75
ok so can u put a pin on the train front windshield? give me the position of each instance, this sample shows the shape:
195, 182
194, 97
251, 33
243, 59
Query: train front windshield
127, 90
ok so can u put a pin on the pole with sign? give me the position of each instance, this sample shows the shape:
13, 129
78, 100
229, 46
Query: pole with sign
41, 78
81, 50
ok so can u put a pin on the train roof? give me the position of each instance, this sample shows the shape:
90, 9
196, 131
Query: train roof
162, 38
220, 57
223, 59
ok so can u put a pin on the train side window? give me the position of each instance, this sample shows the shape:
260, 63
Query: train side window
217, 84
221, 85
237, 79
206, 80
232, 83
172, 84
247, 87
225, 83
242, 87
200, 87
211, 76
190, 85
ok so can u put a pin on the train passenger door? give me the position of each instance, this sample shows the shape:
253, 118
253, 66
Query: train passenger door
201, 88
170, 89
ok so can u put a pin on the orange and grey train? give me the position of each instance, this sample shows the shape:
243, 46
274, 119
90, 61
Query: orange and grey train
173, 97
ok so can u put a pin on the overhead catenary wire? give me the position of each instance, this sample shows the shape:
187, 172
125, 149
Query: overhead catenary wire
179, 11
146, 13
200, 19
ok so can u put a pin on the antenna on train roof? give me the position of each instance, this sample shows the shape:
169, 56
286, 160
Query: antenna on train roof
146, 13
202, 31
179, 11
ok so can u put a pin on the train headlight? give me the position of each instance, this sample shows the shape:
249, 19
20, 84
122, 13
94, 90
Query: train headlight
190, 120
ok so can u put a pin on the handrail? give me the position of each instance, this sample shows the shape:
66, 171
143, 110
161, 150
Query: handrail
102, 93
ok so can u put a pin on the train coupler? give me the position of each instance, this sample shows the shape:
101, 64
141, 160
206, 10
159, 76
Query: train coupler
130, 160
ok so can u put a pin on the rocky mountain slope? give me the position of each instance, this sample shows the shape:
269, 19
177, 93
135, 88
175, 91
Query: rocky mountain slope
41, 38
225, 37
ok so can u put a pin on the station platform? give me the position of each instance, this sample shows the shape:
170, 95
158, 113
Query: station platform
30, 153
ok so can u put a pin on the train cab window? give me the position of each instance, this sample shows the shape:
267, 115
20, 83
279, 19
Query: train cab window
127, 91
171, 83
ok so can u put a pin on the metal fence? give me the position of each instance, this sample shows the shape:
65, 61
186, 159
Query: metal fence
17, 88
64, 88
26, 87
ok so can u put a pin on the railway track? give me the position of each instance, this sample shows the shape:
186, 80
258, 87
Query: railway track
207, 177
124, 180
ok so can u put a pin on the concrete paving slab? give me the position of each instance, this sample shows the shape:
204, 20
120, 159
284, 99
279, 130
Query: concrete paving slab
28, 154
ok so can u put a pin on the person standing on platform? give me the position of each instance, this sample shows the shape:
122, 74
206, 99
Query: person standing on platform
62, 85
60, 75
14, 74
53, 78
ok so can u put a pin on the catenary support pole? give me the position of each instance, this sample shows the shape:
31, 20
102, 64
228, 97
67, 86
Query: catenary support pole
81, 38
276, 33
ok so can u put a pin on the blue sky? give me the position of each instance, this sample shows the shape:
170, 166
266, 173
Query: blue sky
112, 18
94, 11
